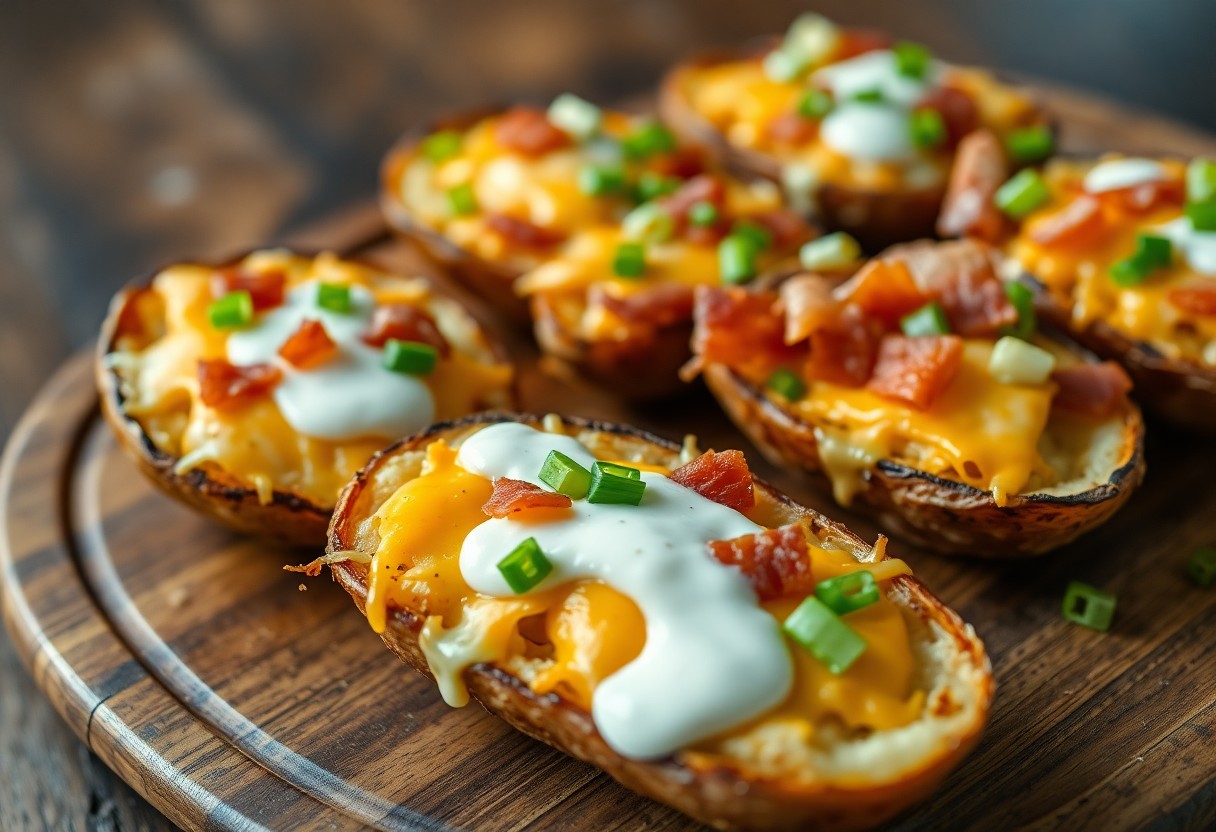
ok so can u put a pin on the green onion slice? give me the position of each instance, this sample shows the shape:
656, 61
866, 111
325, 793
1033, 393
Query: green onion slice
873, 96
1202, 566
412, 357
652, 185
612, 488
1130, 271
629, 260
441, 146
1202, 215
736, 259
1030, 144
565, 476
849, 592
703, 214
1022, 298
647, 140
581, 119
759, 237
335, 297
601, 180
911, 59
1201, 181
815, 104
649, 223
1089, 606
930, 319
232, 311
1023, 193
837, 250
525, 566
462, 200
816, 628
616, 470
786, 384
1157, 251
927, 128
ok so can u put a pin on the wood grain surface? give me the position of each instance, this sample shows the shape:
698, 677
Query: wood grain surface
137, 131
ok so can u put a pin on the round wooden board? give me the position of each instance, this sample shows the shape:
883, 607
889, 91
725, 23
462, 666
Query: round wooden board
232, 699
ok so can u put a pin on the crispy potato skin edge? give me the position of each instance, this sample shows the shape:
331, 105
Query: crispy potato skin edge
288, 518
720, 795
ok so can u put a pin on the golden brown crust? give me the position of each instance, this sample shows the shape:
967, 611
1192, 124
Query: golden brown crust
286, 518
710, 789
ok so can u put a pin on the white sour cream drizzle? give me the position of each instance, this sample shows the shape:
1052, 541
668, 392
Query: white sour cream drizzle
876, 132
713, 658
1122, 173
1198, 247
351, 396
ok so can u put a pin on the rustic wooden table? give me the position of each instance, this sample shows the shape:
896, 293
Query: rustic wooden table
134, 132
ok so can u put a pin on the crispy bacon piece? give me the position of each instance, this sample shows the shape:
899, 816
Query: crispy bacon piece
658, 305
883, 289
1080, 223
511, 496
854, 42
961, 275
915, 371
1145, 197
979, 170
810, 304
721, 477
1199, 299
1094, 390
792, 129
739, 328
703, 188
957, 109
775, 562
309, 346
265, 288
529, 131
404, 323
844, 352
523, 233
225, 386
786, 227
683, 163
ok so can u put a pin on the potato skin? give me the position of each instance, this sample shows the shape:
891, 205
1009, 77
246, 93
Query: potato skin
720, 794
876, 218
288, 518
942, 515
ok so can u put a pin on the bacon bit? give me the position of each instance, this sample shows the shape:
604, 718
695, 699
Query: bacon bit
844, 352
979, 170
659, 305
792, 129
1081, 223
225, 386
683, 163
739, 328
957, 109
1199, 299
511, 496
721, 477
404, 323
707, 235
1094, 390
265, 288
854, 42
528, 131
915, 371
786, 227
309, 346
883, 289
810, 304
775, 561
1145, 197
703, 188
961, 275
523, 233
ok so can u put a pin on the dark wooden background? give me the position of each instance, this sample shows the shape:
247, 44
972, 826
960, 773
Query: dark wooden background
139, 131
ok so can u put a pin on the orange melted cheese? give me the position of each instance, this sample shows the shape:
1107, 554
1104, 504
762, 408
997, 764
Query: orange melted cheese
591, 629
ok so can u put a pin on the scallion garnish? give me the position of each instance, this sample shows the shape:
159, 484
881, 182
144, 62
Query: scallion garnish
601, 180
649, 223
873, 96
615, 485
1089, 606
1023, 193
647, 140
837, 250
926, 128
1202, 566
580, 119
462, 200
815, 104
1156, 251
616, 470
441, 146
335, 297
1202, 215
703, 214
652, 185
848, 592
1022, 298
1201, 180
629, 260
736, 259
1128, 272
758, 236
565, 476
411, 357
911, 59
817, 629
1030, 144
525, 566
786, 384
232, 311
930, 319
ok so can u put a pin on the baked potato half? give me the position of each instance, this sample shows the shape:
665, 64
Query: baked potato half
1119, 252
920, 391
596, 220
253, 389
861, 130
808, 760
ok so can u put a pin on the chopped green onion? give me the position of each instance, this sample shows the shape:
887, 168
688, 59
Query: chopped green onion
833, 251
616, 470
812, 36
736, 259
1202, 215
1030, 144
649, 222
930, 319
927, 128
800, 184
703, 214
1157, 252
1202, 566
232, 311
525, 567
786, 384
848, 592
611, 488
1089, 606
1022, 298
412, 357
581, 119
759, 237
651, 185
784, 65
1130, 271
601, 180
335, 297
629, 260
815, 104
873, 96
1201, 181
462, 200
911, 59
565, 476
441, 146
647, 140
1014, 361
1022, 194
817, 629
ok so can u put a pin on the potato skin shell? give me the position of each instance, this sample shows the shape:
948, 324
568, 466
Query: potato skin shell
720, 795
288, 518
941, 515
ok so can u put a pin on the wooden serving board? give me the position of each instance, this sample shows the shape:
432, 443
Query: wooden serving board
233, 699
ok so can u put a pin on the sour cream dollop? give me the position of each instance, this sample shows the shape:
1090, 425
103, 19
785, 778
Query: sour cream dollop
1198, 247
713, 658
1122, 173
352, 396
